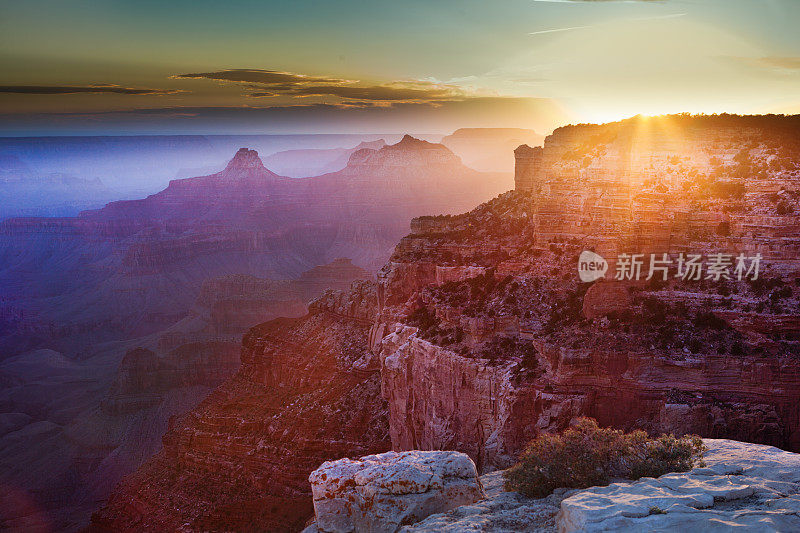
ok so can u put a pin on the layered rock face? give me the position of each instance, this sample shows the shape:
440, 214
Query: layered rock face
192, 266
659, 184
486, 336
528, 167
69, 436
119, 407
241, 460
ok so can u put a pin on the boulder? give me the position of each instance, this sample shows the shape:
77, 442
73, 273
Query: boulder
605, 298
382, 493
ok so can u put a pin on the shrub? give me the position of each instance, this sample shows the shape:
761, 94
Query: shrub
695, 345
586, 455
423, 319
504, 348
707, 319
727, 189
654, 311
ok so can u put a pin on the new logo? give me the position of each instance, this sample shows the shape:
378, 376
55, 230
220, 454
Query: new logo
591, 266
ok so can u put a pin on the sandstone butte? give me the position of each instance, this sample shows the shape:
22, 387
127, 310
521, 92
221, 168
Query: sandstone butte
475, 338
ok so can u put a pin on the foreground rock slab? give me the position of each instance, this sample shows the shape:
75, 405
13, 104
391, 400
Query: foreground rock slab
382, 493
751, 487
500, 512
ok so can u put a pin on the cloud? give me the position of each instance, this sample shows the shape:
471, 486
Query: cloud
783, 63
263, 77
342, 117
768, 65
591, 1
372, 93
636, 19
75, 89
555, 30
273, 83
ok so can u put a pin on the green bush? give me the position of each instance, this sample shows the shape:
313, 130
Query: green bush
586, 455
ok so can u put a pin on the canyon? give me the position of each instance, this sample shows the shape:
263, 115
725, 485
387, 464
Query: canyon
145, 260
302, 393
478, 334
117, 320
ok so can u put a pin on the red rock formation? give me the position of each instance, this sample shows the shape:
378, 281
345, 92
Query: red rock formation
528, 348
241, 460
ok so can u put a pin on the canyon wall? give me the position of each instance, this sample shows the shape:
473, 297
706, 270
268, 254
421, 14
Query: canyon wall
509, 343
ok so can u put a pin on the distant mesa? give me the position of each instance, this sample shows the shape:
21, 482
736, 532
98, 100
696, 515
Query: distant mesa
490, 149
493, 134
374, 145
412, 142
246, 163
245, 158
315, 162
409, 151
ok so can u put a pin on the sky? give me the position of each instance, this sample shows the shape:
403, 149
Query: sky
199, 66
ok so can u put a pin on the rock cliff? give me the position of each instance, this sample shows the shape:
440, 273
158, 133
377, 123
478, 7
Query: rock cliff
198, 262
486, 336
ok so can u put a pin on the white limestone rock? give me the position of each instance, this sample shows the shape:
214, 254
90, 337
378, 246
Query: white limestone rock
381, 493
747, 487
744, 486
501, 512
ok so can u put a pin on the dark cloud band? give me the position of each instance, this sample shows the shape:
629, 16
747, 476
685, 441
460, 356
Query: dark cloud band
264, 77
69, 89
272, 83
378, 93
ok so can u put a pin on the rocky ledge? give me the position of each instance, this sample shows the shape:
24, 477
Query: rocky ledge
744, 486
